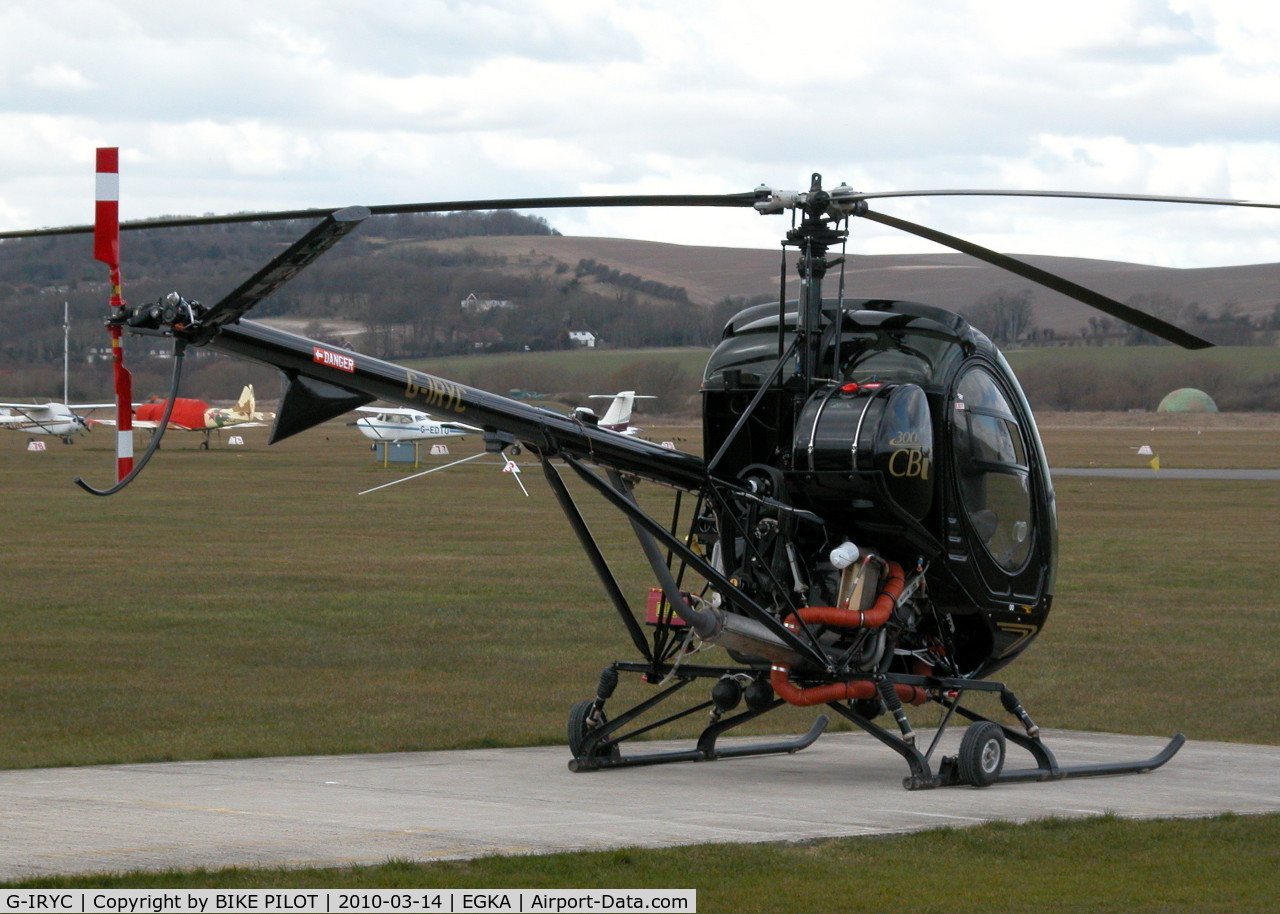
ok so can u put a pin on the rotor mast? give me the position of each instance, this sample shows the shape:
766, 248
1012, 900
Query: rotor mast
814, 236
824, 223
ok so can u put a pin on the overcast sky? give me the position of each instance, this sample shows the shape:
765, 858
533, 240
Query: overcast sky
275, 104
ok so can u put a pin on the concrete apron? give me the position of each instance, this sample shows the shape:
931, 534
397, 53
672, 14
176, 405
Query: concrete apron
358, 809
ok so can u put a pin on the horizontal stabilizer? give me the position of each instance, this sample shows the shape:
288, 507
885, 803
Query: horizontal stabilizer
284, 267
307, 402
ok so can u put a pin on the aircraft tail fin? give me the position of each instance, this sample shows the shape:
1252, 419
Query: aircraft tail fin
618, 415
246, 404
619, 411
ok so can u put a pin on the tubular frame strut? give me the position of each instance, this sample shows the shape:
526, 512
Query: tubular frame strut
601, 744
598, 748
598, 741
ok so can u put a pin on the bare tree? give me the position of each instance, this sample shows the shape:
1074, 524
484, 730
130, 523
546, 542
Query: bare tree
1003, 315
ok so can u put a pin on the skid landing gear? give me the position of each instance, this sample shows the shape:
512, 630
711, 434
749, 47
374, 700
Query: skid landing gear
596, 740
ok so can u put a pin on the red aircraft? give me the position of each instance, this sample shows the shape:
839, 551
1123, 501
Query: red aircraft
198, 416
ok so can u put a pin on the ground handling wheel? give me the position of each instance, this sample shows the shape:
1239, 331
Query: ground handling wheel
579, 727
981, 755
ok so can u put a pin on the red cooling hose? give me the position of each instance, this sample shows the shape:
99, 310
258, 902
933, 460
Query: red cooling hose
876, 616
836, 691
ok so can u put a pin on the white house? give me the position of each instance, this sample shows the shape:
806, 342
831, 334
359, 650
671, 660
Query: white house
485, 301
583, 338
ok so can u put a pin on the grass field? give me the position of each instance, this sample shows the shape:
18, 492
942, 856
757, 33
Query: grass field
246, 601
1248, 363
1218, 441
1102, 864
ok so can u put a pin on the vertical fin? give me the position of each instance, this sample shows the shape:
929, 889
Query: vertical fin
246, 405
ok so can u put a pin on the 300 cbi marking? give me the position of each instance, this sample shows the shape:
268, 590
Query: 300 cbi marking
914, 462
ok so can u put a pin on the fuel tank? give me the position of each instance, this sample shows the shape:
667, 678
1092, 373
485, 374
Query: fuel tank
856, 445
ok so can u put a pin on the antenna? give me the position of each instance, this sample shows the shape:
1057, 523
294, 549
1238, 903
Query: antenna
66, 353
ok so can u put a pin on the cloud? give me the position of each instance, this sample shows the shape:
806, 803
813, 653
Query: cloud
55, 78
241, 105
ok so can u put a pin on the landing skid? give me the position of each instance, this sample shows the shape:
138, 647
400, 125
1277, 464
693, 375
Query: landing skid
1047, 767
596, 740
599, 745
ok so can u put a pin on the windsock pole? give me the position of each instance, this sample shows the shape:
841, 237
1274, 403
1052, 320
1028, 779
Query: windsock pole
106, 248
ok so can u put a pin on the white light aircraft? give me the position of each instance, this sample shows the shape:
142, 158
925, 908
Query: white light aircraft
386, 423
61, 420
399, 424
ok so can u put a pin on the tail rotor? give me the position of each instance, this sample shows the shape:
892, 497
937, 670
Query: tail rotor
106, 248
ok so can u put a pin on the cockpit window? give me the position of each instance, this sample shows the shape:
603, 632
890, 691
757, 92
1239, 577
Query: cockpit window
996, 440
878, 341
992, 465
888, 365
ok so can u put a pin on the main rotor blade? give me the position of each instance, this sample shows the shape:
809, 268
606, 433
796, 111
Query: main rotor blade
517, 203
392, 209
1147, 322
1083, 195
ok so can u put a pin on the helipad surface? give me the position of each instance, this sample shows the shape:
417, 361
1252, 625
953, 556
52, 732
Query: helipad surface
435, 805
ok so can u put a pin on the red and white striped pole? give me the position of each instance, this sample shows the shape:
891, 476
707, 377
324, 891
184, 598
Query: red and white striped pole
106, 248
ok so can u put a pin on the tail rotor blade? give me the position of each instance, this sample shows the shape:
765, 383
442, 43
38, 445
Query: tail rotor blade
106, 248
106, 209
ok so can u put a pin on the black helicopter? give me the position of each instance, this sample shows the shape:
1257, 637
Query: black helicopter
872, 524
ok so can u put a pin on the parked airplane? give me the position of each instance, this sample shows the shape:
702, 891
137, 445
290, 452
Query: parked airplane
617, 418
389, 423
198, 416
61, 420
